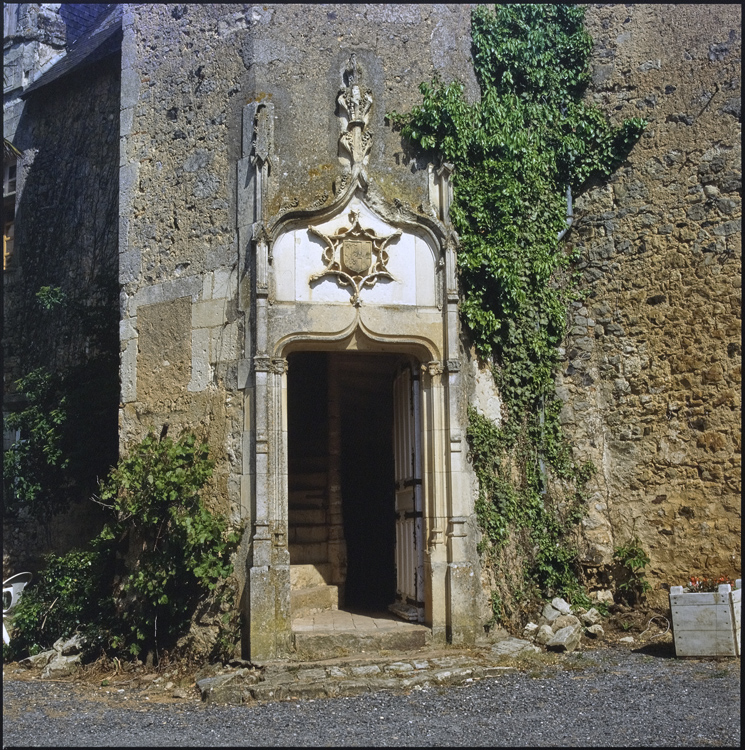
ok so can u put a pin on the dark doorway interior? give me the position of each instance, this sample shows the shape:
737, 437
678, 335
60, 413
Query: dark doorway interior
367, 470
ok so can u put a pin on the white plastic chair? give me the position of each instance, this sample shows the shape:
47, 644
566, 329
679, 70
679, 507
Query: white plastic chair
12, 589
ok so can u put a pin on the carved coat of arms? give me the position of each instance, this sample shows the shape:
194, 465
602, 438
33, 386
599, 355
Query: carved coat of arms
356, 256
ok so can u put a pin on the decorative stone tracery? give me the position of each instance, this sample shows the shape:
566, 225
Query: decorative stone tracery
413, 313
356, 256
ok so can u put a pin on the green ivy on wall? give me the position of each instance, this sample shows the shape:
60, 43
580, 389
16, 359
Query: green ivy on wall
515, 153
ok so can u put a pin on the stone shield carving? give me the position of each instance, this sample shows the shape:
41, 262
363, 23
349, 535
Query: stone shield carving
355, 255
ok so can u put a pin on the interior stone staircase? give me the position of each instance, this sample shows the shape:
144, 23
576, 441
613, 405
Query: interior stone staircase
310, 572
309, 591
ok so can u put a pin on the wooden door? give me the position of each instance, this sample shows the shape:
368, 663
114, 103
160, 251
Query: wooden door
409, 602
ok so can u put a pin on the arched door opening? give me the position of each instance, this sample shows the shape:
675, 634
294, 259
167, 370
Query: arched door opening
341, 479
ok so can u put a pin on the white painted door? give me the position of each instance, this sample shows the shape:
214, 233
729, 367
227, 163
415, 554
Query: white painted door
409, 602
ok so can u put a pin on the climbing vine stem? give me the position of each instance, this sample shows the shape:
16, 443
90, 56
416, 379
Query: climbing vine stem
515, 152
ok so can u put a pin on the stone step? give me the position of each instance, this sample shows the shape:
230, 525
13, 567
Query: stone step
315, 646
399, 673
314, 599
307, 516
307, 534
308, 554
305, 576
315, 480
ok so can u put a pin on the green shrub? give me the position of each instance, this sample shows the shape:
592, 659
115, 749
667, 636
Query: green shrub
138, 584
34, 467
71, 593
632, 559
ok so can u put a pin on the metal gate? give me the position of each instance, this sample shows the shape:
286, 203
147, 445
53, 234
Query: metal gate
409, 602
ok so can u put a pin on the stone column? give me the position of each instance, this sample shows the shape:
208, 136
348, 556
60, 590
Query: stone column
269, 623
463, 609
434, 490
337, 546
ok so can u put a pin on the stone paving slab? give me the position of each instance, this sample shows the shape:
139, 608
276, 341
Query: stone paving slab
350, 676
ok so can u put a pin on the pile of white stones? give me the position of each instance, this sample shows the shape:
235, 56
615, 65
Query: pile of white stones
62, 660
561, 626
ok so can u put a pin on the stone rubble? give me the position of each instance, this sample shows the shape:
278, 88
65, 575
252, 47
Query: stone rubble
561, 626
62, 660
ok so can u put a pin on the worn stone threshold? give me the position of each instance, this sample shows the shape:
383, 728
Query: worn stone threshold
352, 675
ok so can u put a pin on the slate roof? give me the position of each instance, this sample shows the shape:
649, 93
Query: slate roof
79, 17
103, 38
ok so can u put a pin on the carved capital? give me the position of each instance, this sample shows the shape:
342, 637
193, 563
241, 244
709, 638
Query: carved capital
279, 365
453, 365
433, 368
262, 363
445, 171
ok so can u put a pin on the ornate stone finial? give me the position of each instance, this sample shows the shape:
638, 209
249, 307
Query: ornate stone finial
356, 256
355, 104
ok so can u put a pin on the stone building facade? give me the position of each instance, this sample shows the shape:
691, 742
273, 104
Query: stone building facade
60, 217
653, 360
288, 290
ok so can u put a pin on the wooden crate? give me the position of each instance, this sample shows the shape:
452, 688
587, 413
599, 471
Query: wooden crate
707, 624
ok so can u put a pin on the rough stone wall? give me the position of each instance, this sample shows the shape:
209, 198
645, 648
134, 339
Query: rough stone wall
653, 359
66, 236
652, 377
66, 225
35, 43
187, 73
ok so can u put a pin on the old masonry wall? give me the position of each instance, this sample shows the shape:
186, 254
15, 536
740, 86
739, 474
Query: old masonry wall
651, 381
652, 368
188, 72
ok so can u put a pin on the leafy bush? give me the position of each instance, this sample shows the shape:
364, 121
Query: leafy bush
34, 476
71, 593
137, 585
632, 559
182, 550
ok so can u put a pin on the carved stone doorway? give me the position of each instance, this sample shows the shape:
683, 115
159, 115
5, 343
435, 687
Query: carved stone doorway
341, 480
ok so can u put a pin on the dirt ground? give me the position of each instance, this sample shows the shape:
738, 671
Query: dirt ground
172, 681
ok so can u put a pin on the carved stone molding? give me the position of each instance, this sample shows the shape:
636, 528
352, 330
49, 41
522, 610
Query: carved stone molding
278, 365
262, 153
356, 256
457, 526
433, 368
355, 104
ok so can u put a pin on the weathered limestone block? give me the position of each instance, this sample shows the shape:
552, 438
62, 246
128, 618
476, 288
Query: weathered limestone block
61, 666
565, 639
565, 621
544, 635
591, 617
561, 606
550, 612
513, 647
